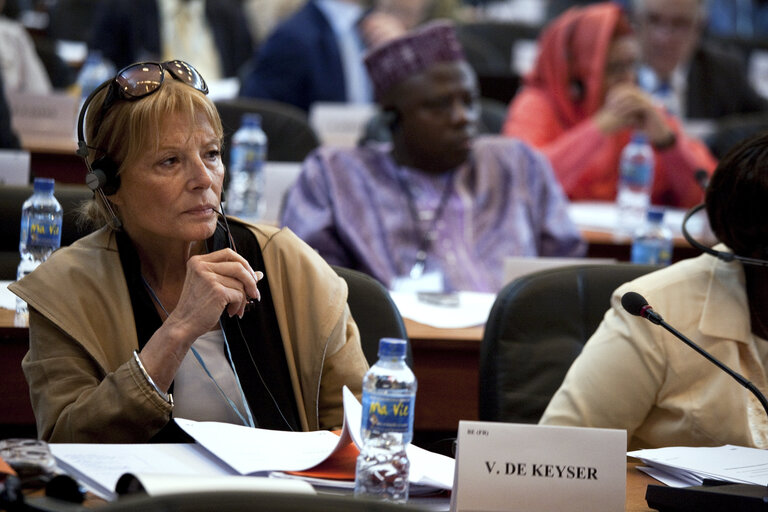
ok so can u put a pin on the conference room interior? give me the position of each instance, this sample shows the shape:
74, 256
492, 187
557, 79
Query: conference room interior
499, 39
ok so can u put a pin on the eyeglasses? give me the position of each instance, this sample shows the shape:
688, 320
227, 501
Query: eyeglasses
140, 80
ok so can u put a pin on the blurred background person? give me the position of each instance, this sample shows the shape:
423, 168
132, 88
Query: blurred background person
636, 376
438, 208
690, 76
580, 105
21, 67
317, 54
8, 137
214, 35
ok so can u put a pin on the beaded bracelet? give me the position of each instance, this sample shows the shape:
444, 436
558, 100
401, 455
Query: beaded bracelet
168, 397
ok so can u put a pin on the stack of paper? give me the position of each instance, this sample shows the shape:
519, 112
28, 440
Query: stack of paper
686, 466
322, 458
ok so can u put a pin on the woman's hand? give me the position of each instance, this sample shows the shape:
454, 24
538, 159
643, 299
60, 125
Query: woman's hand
215, 282
629, 107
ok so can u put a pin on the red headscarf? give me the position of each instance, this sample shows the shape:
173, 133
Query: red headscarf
572, 54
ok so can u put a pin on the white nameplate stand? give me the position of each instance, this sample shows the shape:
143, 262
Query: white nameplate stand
524, 468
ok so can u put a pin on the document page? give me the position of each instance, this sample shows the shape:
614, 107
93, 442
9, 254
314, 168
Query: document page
731, 463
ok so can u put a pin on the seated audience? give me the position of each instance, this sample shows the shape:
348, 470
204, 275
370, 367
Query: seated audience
214, 35
438, 206
157, 299
691, 77
636, 376
580, 104
317, 54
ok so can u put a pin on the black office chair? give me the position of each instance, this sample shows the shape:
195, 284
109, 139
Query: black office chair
290, 137
536, 328
11, 200
374, 312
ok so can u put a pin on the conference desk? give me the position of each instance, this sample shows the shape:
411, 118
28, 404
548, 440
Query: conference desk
636, 485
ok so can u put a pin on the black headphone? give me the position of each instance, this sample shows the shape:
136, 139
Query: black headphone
390, 116
102, 175
721, 255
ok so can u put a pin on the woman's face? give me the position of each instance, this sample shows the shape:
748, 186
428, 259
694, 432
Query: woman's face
621, 62
173, 193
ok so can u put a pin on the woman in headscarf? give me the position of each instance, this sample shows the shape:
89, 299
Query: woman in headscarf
580, 105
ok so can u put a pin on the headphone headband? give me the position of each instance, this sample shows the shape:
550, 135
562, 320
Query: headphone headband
721, 255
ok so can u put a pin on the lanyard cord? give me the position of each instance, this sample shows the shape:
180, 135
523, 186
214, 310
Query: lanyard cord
426, 237
246, 421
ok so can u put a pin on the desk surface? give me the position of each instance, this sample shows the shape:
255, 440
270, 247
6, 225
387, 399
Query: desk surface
637, 482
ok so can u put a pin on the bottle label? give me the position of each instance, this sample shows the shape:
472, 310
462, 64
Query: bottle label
651, 253
637, 171
42, 232
387, 413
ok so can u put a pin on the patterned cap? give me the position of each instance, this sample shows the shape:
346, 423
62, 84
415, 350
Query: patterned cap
398, 59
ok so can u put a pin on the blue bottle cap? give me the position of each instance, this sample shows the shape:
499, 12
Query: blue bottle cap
251, 118
44, 185
392, 347
655, 215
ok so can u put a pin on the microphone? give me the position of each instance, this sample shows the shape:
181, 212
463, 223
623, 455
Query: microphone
635, 304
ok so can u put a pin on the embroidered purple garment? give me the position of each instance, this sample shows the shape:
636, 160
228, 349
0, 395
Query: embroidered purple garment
352, 206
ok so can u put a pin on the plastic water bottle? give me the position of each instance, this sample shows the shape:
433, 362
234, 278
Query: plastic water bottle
653, 242
389, 396
635, 182
94, 72
245, 197
41, 218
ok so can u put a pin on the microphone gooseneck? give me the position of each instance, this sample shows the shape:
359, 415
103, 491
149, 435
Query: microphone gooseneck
635, 304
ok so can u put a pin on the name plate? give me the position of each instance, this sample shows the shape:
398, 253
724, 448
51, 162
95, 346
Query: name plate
519, 468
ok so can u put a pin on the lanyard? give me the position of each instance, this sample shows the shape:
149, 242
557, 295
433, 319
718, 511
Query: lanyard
426, 237
249, 421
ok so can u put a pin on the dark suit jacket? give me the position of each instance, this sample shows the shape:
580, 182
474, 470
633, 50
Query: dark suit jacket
8, 138
299, 63
718, 86
128, 31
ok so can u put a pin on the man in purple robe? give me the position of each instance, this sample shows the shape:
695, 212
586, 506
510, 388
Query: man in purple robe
438, 208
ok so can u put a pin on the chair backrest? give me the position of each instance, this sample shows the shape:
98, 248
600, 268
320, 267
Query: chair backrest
537, 326
11, 200
290, 137
374, 312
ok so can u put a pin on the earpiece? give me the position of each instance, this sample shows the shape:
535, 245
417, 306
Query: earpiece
103, 174
391, 118
576, 90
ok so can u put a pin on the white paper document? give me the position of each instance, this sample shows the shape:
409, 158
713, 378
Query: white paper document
691, 465
99, 466
471, 309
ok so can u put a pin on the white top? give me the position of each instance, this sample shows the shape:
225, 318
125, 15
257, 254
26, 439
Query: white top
195, 395
187, 36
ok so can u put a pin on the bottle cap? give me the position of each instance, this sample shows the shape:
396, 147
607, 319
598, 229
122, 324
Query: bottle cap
251, 118
655, 215
44, 185
392, 347
639, 137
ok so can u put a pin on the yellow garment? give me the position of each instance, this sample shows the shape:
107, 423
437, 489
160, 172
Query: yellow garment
85, 384
636, 376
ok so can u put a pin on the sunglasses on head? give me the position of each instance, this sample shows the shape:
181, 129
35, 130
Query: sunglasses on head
139, 80
135, 82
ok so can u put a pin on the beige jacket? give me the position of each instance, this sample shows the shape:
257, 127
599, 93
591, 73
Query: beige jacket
636, 376
84, 383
